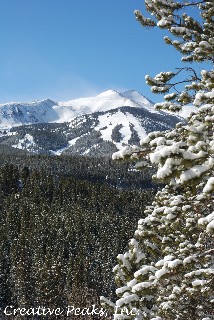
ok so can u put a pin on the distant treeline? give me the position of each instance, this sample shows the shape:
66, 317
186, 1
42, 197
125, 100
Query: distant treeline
101, 170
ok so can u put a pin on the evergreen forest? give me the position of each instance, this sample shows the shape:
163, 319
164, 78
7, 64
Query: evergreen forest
63, 222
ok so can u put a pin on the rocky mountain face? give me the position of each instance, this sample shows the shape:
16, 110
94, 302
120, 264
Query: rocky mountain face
13, 114
95, 126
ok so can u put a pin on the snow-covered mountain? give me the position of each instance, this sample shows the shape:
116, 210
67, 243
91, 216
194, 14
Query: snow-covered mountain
91, 126
15, 114
46, 111
94, 134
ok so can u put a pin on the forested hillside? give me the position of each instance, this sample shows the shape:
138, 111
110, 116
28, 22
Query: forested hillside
63, 222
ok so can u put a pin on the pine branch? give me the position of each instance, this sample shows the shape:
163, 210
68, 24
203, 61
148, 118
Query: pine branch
193, 4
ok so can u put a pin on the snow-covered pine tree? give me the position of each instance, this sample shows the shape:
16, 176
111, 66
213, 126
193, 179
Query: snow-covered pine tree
168, 273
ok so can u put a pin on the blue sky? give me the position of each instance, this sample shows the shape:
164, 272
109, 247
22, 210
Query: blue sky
65, 49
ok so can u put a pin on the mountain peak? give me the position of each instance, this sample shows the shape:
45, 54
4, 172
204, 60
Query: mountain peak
108, 93
110, 99
138, 98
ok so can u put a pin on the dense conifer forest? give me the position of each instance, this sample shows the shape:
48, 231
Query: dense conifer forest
63, 222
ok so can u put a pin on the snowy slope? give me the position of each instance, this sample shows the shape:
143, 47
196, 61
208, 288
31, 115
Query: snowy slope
106, 132
139, 99
127, 122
